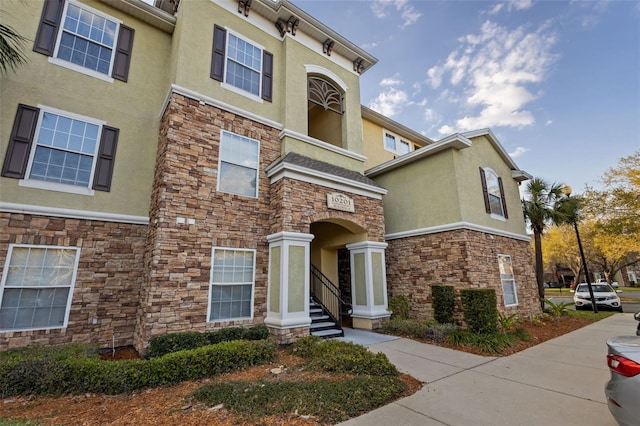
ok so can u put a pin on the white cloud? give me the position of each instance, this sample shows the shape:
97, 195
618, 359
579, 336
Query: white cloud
390, 81
518, 152
383, 8
390, 101
496, 69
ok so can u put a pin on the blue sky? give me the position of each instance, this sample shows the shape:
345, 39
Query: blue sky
558, 82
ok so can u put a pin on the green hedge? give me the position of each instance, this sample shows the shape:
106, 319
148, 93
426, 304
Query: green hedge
480, 312
443, 303
51, 375
343, 357
168, 343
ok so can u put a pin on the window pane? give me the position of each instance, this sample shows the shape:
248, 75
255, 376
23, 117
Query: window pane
230, 300
244, 65
87, 39
43, 277
390, 142
65, 164
237, 180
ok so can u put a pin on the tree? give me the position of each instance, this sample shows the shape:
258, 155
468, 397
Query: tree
614, 229
546, 205
560, 247
11, 48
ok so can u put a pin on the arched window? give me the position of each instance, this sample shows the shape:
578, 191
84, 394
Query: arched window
494, 201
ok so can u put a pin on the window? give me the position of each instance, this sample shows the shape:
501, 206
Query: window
84, 39
493, 191
37, 285
238, 165
231, 288
508, 281
241, 64
58, 150
396, 145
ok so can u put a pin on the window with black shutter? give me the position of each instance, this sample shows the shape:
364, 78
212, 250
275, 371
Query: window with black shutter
107, 44
50, 149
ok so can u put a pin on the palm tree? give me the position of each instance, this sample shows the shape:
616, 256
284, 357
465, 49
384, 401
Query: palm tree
11, 46
546, 205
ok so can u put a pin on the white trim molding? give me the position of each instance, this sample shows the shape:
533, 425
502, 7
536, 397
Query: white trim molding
303, 174
321, 144
72, 213
455, 227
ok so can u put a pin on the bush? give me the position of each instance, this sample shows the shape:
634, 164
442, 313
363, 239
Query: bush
485, 342
420, 329
167, 343
480, 312
443, 303
343, 357
400, 306
58, 375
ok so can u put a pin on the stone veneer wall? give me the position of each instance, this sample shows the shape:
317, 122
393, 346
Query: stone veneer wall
296, 205
175, 292
463, 259
107, 282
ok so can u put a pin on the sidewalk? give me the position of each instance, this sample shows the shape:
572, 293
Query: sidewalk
558, 382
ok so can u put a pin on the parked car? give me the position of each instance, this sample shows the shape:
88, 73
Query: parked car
623, 388
613, 284
605, 295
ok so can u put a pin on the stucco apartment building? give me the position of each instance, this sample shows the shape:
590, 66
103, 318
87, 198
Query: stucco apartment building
207, 163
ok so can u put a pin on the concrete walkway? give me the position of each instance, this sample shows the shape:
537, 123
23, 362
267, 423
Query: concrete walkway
558, 382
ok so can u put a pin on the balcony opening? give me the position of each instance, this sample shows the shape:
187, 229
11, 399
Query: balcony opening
325, 103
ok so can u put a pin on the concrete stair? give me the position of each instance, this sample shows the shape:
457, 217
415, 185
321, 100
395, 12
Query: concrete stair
321, 323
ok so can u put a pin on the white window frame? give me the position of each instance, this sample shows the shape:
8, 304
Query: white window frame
212, 284
507, 279
71, 287
78, 68
489, 174
225, 84
220, 161
54, 186
399, 141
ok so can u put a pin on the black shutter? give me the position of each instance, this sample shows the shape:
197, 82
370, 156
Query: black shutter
123, 53
504, 200
106, 158
45, 41
24, 128
485, 192
217, 55
267, 76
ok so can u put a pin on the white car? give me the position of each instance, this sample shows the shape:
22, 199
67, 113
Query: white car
614, 284
605, 295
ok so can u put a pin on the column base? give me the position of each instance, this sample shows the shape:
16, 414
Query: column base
370, 323
286, 336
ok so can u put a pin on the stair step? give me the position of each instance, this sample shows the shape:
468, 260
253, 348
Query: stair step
321, 318
323, 324
334, 332
315, 311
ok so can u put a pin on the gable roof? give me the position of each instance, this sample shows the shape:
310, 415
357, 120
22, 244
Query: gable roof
456, 141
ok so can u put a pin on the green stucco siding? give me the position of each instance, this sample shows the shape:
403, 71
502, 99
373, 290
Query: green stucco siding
378, 278
274, 278
359, 279
296, 278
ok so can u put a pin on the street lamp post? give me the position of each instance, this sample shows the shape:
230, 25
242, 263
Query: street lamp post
566, 190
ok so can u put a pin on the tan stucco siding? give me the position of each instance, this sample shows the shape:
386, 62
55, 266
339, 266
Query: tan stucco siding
421, 194
374, 145
192, 59
133, 107
467, 164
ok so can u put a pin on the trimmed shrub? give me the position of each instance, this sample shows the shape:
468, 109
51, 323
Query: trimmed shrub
343, 357
400, 306
174, 342
51, 375
480, 312
443, 303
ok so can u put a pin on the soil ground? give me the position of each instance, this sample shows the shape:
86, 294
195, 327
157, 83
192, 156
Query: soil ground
170, 406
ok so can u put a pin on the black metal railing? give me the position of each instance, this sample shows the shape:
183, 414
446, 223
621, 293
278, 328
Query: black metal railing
328, 295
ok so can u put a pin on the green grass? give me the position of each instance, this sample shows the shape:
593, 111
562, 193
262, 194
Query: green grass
590, 315
331, 401
15, 422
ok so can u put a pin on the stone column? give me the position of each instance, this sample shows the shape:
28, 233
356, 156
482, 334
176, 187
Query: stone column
368, 284
288, 288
